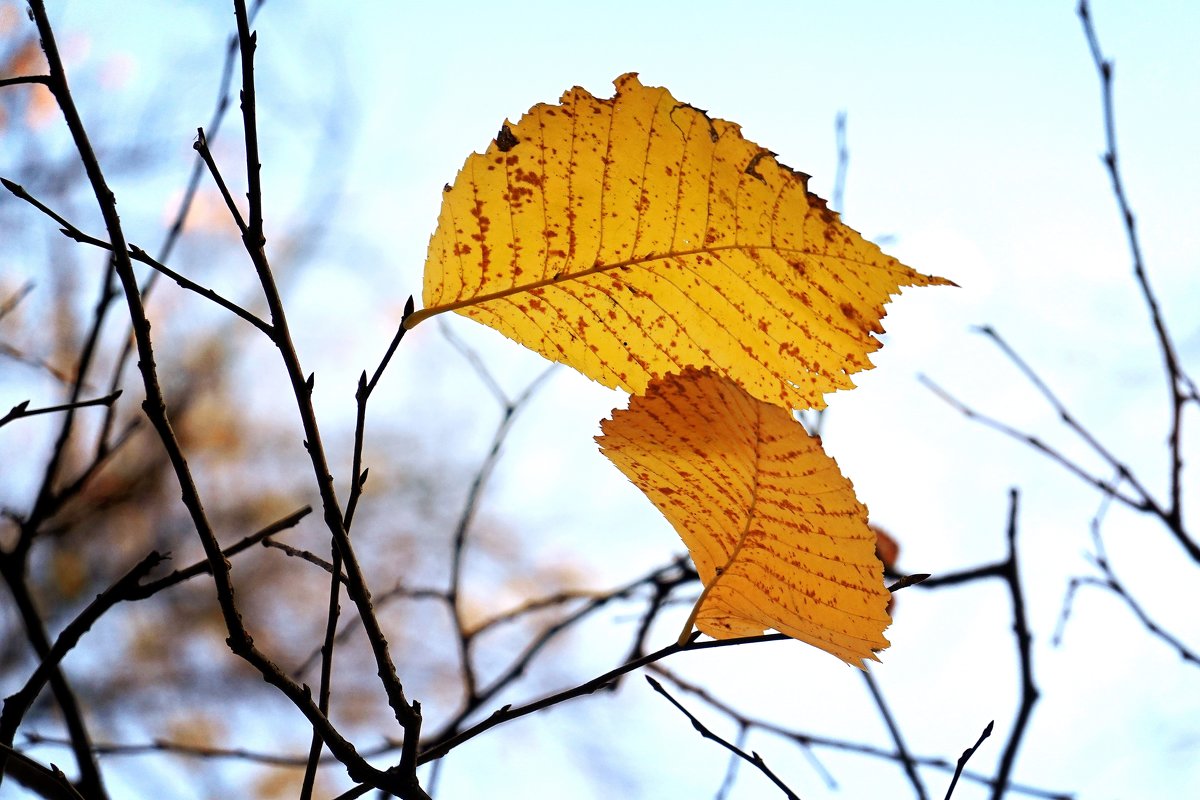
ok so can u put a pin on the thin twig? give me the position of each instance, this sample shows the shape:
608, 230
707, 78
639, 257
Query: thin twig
178, 749
380, 601
534, 605
358, 477
201, 148
746, 723
358, 473
47, 782
664, 584
324, 691
731, 769
12, 568
18, 704
1064, 414
175, 230
49, 499
1143, 504
754, 758
521, 662
205, 567
22, 409
965, 757
902, 755
994, 570
838, 196
1182, 387
63, 377
808, 741
135, 253
74, 486
22, 80
511, 409
403, 780
475, 361
305, 555
1110, 582
507, 713
1123, 472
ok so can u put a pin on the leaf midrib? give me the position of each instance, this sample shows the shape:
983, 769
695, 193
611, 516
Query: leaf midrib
425, 313
745, 534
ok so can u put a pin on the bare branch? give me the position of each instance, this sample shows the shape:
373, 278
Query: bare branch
1181, 386
358, 473
403, 780
441, 745
1143, 504
808, 741
135, 253
201, 147
510, 411
24, 80
180, 749
521, 662
1110, 582
22, 409
1064, 414
205, 567
175, 230
17, 704
754, 758
475, 361
965, 757
1029, 691
902, 755
12, 569
48, 782
305, 555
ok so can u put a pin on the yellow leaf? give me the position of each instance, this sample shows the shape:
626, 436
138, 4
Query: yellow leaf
777, 535
635, 236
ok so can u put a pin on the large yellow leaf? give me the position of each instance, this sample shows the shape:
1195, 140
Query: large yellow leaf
778, 537
635, 236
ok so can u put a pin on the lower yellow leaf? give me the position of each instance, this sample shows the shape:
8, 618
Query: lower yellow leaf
777, 535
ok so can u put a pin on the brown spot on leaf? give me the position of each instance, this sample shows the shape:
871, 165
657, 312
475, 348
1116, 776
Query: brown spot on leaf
525, 176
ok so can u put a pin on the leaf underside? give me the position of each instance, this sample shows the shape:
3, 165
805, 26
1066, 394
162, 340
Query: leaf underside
777, 535
635, 236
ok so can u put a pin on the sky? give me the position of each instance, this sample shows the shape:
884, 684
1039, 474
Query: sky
974, 135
